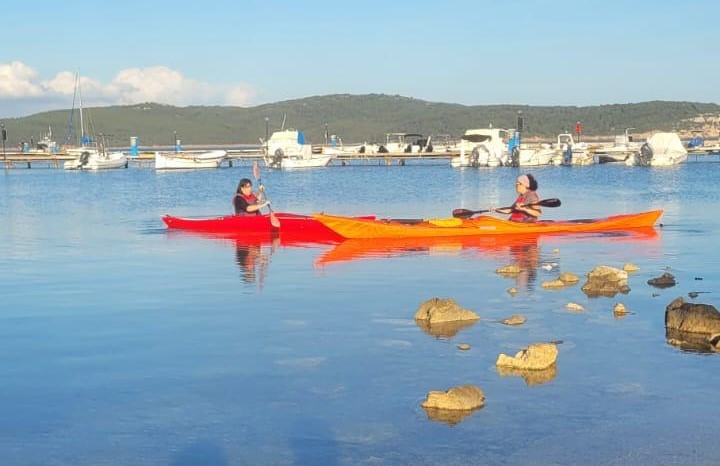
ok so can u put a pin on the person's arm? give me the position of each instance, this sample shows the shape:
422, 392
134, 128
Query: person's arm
255, 207
532, 211
528, 208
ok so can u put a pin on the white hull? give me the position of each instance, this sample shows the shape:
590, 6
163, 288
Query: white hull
290, 162
93, 160
484, 147
661, 150
188, 160
287, 150
535, 157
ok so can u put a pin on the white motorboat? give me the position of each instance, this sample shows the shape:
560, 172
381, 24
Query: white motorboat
537, 155
287, 150
94, 159
661, 149
407, 143
484, 147
188, 160
620, 150
568, 152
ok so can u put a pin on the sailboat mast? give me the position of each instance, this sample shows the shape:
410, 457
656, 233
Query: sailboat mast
80, 102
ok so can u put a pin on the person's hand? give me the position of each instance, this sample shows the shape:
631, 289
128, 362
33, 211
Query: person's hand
261, 188
493, 208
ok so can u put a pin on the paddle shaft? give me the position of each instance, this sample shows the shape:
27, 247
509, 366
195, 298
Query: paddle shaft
467, 213
273, 219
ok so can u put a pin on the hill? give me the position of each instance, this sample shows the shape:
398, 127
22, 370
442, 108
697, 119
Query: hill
358, 118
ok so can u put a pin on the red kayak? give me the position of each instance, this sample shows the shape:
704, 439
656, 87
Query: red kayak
298, 227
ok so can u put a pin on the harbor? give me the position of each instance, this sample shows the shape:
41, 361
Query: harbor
146, 158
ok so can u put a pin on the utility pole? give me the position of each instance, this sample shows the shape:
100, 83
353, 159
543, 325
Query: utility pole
4, 138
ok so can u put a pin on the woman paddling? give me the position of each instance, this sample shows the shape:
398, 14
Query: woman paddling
522, 210
245, 201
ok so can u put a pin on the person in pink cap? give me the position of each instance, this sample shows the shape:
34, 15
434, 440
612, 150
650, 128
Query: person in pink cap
523, 210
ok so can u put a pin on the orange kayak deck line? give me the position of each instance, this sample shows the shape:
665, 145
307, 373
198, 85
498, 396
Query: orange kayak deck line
351, 227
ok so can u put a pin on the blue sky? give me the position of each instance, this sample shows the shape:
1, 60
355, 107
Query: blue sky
252, 52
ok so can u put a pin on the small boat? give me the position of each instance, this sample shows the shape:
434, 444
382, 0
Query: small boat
92, 153
184, 160
485, 147
97, 159
287, 149
622, 148
661, 149
349, 227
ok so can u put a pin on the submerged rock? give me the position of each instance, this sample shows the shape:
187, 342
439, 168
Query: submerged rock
462, 397
630, 267
606, 281
514, 320
438, 310
568, 278
537, 356
620, 310
508, 270
463, 346
666, 280
692, 327
553, 284
574, 307
692, 317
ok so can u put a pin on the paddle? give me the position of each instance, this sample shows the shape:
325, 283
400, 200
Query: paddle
273, 219
467, 213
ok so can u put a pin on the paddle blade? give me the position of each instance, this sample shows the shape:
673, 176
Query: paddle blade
463, 213
552, 202
256, 170
274, 220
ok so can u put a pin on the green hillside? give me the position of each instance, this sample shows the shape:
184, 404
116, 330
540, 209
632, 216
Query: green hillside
355, 118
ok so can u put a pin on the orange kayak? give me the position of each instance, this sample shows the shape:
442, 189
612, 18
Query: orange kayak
350, 227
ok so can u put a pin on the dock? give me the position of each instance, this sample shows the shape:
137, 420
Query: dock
147, 159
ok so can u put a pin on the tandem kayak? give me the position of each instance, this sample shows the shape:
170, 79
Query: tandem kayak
349, 227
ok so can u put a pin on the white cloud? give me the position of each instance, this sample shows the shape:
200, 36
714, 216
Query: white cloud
16, 81
19, 82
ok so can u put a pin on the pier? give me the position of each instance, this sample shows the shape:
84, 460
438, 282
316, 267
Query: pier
147, 159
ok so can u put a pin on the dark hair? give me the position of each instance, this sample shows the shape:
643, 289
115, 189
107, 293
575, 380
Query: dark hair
533, 182
243, 182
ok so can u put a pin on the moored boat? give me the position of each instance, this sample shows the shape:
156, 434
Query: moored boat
184, 160
349, 227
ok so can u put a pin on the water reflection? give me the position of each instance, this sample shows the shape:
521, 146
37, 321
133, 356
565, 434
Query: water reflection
530, 377
692, 342
444, 330
450, 417
253, 259
526, 256
253, 252
484, 246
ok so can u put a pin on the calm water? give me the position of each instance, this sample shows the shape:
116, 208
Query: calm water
122, 344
